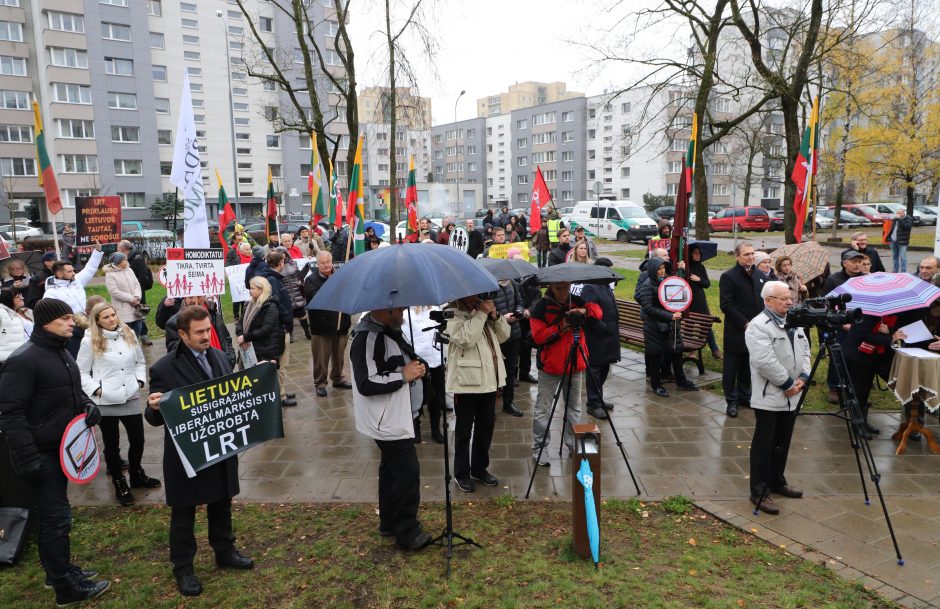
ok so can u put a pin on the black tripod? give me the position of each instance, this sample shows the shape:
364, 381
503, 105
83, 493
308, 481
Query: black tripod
447, 536
576, 351
849, 411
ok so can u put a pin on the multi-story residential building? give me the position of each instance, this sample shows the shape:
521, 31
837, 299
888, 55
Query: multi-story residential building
523, 95
108, 76
459, 159
499, 170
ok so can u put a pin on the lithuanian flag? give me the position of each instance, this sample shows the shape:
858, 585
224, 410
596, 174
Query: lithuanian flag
46, 174
270, 215
411, 197
316, 184
226, 218
354, 203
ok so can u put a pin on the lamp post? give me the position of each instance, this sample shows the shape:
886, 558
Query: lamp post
231, 114
456, 147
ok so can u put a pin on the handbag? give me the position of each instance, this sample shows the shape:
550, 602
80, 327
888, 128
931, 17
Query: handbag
12, 533
142, 308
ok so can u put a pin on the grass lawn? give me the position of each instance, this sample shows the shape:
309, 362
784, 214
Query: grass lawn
921, 238
331, 556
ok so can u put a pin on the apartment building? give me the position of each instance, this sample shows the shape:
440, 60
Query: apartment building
499, 170
523, 95
108, 76
459, 159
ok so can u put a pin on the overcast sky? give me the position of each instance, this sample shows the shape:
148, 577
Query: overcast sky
487, 45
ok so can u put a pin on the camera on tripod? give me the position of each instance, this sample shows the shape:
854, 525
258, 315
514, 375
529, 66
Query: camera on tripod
441, 316
827, 312
574, 319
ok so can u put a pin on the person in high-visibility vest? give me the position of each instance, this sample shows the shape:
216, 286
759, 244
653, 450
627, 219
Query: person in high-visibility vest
554, 225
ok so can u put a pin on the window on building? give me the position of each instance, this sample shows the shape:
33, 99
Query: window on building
11, 31
159, 73
543, 157
720, 189
721, 169
113, 2
164, 137
273, 141
674, 167
116, 31
76, 129
266, 24
547, 137
16, 134
567, 117
190, 39
592, 113
522, 197
591, 134
234, 14
242, 137
591, 173
128, 167
242, 121
118, 66
65, 22
240, 106
567, 136
12, 66
567, 176
125, 134
17, 166
161, 105
68, 58
71, 94
772, 192
522, 178
157, 40
567, 156
133, 199
625, 108
624, 172
522, 124
79, 163
522, 161
522, 142
14, 100
155, 8
191, 55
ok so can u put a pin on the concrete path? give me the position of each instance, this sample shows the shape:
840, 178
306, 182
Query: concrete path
681, 445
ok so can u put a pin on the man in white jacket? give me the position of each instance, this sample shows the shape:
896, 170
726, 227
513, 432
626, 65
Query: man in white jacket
780, 368
387, 394
69, 287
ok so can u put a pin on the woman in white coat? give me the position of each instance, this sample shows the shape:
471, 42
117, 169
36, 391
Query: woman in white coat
125, 291
12, 328
113, 371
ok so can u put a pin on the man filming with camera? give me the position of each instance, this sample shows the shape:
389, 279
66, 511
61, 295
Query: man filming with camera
780, 368
553, 320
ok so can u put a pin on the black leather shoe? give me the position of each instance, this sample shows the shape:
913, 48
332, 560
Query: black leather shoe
687, 385
788, 491
419, 542
609, 405
511, 410
597, 412
321, 392
188, 585
80, 591
343, 385
661, 392
528, 379
233, 560
732, 411
871, 428
485, 478
437, 436
290, 396
385, 533
286, 401
75, 573
466, 485
140, 479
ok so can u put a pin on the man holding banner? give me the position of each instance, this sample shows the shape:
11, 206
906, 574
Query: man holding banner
194, 361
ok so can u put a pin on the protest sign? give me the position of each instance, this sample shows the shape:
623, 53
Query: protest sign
97, 219
501, 250
236, 282
78, 452
665, 244
214, 420
194, 272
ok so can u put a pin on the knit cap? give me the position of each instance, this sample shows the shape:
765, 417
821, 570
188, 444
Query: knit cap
48, 310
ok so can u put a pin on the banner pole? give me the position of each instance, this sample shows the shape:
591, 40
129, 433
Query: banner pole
55, 239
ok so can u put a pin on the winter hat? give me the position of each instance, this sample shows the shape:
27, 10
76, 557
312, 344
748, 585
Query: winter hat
117, 258
48, 256
760, 257
257, 252
603, 262
48, 310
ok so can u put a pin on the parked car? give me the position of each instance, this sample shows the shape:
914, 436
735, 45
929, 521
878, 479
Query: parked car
868, 212
692, 216
776, 220
745, 218
892, 209
23, 231
620, 220
928, 214
846, 219
151, 243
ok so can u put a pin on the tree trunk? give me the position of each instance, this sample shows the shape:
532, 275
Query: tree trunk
791, 123
843, 151
748, 175
910, 195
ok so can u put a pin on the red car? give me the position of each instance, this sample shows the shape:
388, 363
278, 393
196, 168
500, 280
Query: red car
869, 213
746, 218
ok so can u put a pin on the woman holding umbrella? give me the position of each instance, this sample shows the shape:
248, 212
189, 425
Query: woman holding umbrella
699, 282
785, 273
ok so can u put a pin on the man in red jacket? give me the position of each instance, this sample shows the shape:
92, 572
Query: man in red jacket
553, 335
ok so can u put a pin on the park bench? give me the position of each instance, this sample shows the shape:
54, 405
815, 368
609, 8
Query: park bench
695, 327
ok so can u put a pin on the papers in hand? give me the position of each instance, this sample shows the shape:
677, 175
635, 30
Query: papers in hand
919, 353
916, 332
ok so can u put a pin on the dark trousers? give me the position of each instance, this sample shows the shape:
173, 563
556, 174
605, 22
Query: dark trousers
510, 350
143, 322
525, 349
75, 342
183, 538
595, 389
55, 521
736, 377
137, 326
769, 449
476, 416
863, 376
542, 258
659, 363
110, 433
399, 490
434, 395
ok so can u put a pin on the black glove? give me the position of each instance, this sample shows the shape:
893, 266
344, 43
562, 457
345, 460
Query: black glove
32, 474
92, 415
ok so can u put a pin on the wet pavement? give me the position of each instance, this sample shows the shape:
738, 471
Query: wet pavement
683, 444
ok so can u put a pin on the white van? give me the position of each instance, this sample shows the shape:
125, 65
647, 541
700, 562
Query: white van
620, 220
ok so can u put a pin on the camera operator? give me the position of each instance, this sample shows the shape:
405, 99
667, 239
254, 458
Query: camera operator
510, 306
552, 321
780, 367
867, 348
851, 267
475, 370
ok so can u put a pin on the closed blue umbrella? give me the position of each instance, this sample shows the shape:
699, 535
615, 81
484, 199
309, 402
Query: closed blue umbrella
403, 276
586, 478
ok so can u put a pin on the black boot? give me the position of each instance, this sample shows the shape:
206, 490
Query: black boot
417, 422
121, 491
78, 591
305, 324
139, 479
436, 428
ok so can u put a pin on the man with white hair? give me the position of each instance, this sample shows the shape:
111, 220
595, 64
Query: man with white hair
780, 368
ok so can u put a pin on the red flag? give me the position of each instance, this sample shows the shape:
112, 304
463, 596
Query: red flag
411, 198
540, 197
680, 229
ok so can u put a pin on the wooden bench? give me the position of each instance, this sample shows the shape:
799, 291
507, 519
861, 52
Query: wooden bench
695, 327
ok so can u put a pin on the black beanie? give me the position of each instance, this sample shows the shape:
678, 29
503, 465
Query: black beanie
49, 309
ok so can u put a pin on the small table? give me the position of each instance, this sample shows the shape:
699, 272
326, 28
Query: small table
915, 382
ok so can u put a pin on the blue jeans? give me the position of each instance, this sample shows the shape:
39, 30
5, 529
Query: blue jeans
137, 326
712, 341
899, 257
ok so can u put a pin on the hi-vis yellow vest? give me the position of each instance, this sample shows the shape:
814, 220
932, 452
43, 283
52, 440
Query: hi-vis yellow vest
553, 227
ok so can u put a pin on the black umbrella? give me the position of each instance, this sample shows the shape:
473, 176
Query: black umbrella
575, 272
501, 268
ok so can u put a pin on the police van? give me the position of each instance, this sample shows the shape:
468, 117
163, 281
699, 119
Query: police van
620, 220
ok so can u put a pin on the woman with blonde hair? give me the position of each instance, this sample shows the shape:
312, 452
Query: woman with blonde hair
579, 253
260, 324
113, 371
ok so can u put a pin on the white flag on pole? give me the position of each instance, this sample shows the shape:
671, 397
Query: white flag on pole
187, 175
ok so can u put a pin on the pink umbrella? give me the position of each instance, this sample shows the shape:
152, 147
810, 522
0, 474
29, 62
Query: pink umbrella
888, 293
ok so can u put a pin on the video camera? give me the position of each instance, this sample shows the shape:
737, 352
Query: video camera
574, 319
441, 316
827, 312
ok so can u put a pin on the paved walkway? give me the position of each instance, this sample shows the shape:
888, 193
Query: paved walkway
681, 445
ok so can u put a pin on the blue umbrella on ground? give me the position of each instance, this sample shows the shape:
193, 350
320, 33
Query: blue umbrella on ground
586, 478
403, 276
709, 249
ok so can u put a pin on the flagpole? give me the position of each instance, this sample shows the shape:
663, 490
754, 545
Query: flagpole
55, 239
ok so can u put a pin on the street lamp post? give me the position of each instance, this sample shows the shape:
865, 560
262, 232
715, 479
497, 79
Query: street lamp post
231, 114
456, 147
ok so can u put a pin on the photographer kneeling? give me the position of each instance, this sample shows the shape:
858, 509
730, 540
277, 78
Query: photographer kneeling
780, 367
475, 370
552, 320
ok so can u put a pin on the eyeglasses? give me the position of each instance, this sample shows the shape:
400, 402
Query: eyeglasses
786, 298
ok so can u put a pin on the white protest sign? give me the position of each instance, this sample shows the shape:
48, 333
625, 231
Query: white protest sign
194, 272
236, 282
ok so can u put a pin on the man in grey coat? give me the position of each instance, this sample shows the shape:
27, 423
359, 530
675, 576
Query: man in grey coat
780, 368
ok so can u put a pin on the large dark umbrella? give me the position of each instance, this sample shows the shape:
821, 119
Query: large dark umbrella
709, 249
403, 276
501, 268
575, 272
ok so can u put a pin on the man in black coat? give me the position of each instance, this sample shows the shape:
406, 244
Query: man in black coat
194, 361
168, 312
138, 264
899, 236
475, 237
851, 267
274, 273
740, 304
508, 302
860, 244
603, 339
329, 330
37, 283
559, 254
40, 392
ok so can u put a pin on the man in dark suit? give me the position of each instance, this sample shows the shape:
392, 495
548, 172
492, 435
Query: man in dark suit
740, 304
476, 240
194, 361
